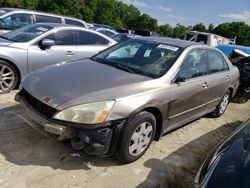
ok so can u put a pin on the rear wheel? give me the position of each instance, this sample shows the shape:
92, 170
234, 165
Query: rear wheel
137, 136
222, 106
8, 77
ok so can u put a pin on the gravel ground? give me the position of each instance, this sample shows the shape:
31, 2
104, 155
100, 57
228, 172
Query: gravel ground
29, 158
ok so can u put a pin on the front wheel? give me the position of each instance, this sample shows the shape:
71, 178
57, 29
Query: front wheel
137, 135
222, 106
8, 77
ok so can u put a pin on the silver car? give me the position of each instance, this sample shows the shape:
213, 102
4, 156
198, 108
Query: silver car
33, 47
121, 99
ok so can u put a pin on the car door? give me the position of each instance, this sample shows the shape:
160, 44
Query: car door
63, 50
188, 98
90, 43
218, 77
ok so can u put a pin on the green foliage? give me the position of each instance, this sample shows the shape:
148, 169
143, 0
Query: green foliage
200, 27
120, 15
240, 30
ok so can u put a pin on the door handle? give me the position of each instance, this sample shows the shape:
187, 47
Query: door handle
227, 78
205, 85
69, 53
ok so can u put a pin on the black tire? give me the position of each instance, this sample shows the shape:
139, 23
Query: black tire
133, 124
4, 67
223, 104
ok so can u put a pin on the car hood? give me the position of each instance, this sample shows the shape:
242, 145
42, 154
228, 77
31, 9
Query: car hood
4, 42
82, 82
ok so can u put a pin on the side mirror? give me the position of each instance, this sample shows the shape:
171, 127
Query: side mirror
47, 43
179, 79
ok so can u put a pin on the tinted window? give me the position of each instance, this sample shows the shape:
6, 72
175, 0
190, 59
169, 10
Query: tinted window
62, 37
74, 22
216, 61
27, 33
194, 64
42, 18
88, 38
150, 59
16, 21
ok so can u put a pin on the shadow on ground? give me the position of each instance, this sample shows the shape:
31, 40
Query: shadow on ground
180, 167
23, 145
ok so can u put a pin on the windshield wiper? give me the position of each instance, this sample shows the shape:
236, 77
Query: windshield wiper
116, 65
121, 67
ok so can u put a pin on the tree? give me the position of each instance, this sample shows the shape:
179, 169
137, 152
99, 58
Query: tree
165, 30
179, 31
200, 27
210, 28
240, 30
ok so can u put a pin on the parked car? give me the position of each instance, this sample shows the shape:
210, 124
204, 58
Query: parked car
240, 57
30, 48
228, 166
107, 32
207, 38
121, 99
242, 61
13, 18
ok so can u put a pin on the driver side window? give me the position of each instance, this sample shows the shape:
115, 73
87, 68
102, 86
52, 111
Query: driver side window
62, 37
194, 65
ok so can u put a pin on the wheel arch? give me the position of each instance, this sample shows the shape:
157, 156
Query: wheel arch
158, 117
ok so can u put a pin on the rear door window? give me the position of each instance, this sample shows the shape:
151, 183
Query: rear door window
51, 19
89, 38
216, 62
16, 21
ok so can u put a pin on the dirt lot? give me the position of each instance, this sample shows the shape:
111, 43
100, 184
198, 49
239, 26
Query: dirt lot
30, 159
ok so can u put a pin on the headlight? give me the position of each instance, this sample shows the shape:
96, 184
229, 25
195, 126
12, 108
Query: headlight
92, 113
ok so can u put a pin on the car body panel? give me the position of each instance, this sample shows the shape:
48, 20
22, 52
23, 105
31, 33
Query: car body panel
228, 165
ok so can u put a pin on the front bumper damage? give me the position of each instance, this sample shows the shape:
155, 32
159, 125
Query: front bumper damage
98, 141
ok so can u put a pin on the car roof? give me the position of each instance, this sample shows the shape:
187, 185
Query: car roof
171, 41
7, 9
58, 25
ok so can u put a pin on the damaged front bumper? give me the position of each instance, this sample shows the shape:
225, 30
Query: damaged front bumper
98, 141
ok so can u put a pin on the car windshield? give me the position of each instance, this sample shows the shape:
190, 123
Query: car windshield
26, 34
150, 59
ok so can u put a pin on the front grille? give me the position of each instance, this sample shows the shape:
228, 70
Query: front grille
40, 107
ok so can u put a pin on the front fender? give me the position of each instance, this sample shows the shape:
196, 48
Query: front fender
18, 57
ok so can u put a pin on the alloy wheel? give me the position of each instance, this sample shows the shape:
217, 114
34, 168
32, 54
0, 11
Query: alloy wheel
7, 78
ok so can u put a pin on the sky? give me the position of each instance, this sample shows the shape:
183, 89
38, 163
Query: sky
191, 12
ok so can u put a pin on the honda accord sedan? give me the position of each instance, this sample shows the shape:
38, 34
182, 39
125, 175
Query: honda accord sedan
122, 99
30, 48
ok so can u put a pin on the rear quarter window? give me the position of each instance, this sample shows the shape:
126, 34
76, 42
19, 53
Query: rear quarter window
73, 22
51, 19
